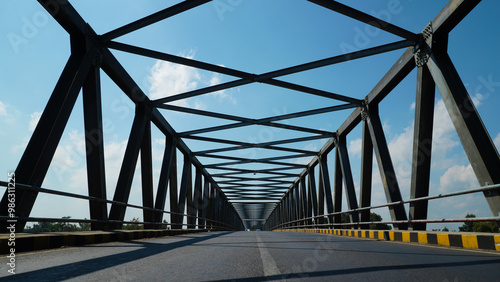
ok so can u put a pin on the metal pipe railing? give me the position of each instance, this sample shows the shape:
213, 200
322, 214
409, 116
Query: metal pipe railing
440, 196
89, 198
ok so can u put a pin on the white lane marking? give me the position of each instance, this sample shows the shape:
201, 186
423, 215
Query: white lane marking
268, 262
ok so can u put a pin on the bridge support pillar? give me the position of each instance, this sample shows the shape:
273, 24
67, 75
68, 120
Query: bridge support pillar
477, 143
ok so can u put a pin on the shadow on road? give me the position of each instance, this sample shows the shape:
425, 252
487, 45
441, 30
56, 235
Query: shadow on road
73, 270
350, 271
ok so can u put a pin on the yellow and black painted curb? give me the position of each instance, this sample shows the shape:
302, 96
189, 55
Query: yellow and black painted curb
26, 242
480, 241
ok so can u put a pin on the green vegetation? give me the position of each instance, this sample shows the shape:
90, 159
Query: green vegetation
373, 217
489, 226
57, 226
133, 226
69, 227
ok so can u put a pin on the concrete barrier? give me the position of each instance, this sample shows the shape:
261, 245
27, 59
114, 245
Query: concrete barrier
479, 241
27, 242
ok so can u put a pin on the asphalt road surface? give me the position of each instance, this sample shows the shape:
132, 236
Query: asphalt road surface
255, 256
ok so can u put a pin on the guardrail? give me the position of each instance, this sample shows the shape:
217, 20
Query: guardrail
302, 223
214, 224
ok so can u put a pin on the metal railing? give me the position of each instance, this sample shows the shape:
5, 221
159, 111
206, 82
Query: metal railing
302, 223
214, 224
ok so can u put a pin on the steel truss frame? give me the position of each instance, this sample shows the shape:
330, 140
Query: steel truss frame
230, 200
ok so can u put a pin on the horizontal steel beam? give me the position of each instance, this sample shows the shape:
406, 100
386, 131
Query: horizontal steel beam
368, 19
153, 18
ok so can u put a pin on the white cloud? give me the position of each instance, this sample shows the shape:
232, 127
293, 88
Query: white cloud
3, 109
444, 137
222, 94
113, 154
478, 99
35, 117
401, 146
305, 160
169, 79
401, 149
7, 113
69, 158
497, 141
458, 178
444, 134
355, 148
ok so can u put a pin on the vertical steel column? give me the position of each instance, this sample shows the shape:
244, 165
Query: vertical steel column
386, 168
422, 146
296, 187
219, 208
174, 206
211, 207
287, 210
94, 144
36, 159
215, 208
337, 188
345, 165
312, 192
124, 184
321, 196
191, 208
365, 194
283, 213
303, 199
295, 201
198, 197
147, 176
309, 209
327, 189
185, 186
476, 141
202, 204
166, 171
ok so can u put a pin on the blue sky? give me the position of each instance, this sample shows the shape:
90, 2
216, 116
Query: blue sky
255, 36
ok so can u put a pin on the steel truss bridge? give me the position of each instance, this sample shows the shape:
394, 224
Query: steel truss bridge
288, 195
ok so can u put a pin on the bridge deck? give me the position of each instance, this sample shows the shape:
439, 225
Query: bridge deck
242, 256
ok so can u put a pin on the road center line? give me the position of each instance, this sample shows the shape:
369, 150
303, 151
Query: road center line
268, 262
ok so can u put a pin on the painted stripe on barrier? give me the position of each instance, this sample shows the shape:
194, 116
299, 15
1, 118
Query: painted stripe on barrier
414, 237
41, 242
406, 236
398, 236
391, 235
455, 240
486, 242
381, 235
432, 239
469, 241
89, 239
443, 240
422, 238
